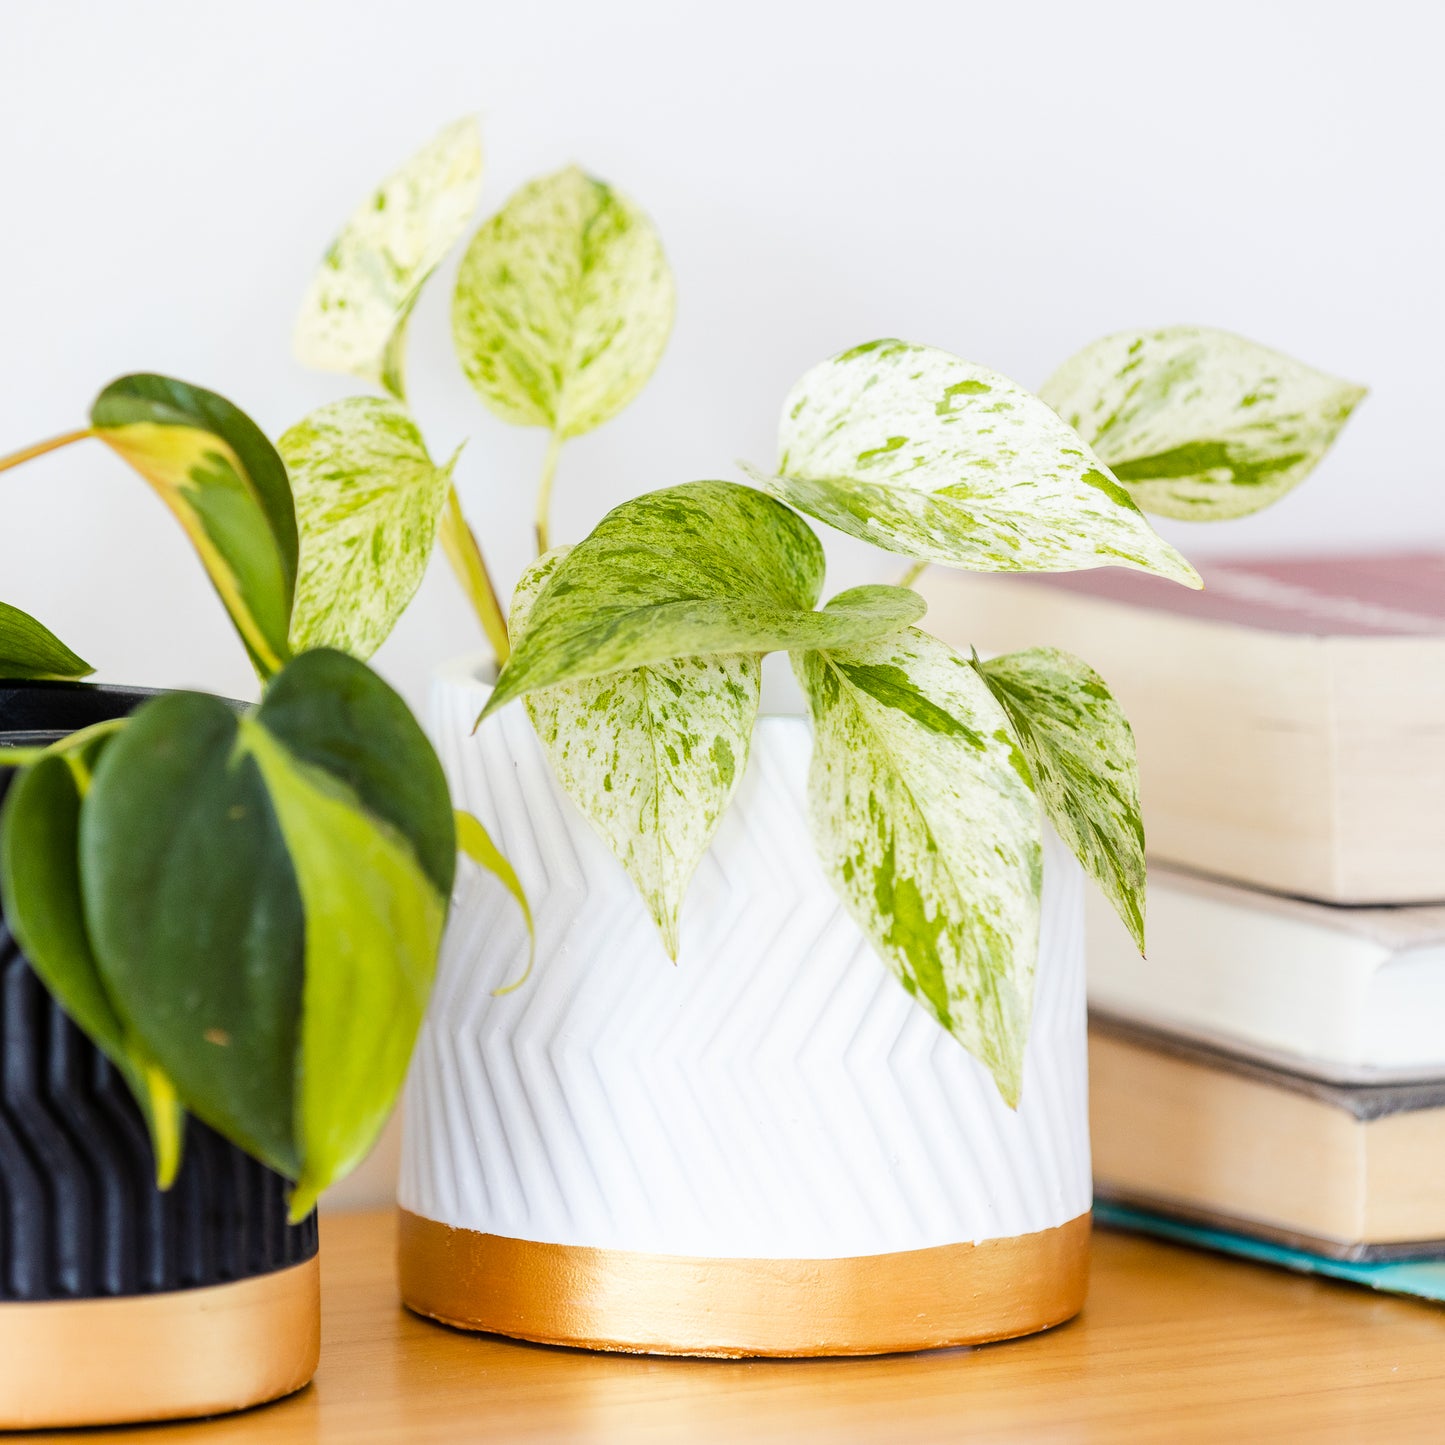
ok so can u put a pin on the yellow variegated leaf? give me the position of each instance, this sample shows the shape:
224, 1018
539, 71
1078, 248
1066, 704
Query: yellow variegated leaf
225, 484
354, 316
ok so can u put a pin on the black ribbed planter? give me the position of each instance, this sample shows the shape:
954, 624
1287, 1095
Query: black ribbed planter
119, 1302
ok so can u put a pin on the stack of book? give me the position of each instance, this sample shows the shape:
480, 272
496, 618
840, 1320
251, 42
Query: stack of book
1271, 1080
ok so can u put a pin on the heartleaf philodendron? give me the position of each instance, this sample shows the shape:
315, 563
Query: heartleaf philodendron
698, 569
41, 888
264, 895
1198, 423
369, 501
356, 311
225, 484
1080, 749
920, 452
30, 650
926, 824
651, 755
563, 305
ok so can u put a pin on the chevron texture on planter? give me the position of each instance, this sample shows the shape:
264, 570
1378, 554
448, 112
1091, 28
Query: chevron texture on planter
773, 1095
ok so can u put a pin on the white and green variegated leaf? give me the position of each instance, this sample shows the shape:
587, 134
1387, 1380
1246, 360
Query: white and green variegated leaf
1198, 423
689, 571
1081, 749
369, 502
930, 832
355, 313
651, 755
30, 650
920, 452
563, 305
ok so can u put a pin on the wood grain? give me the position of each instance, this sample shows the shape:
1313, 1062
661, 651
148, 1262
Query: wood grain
1173, 1345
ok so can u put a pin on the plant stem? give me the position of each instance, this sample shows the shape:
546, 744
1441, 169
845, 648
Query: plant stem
913, 574
460, 544
40, 448
544, 493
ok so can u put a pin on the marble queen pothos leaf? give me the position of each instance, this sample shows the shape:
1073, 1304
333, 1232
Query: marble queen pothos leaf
920, 452
225, 484
692, 570
651, 755
563, 305
927, 825
369, 502
1081, 750
355, 313
30, 650
1198, 423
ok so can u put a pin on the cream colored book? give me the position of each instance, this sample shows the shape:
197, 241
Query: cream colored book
1356, 1173
1348, 995
1290, 718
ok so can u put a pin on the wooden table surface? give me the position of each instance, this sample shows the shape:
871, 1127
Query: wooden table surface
1174, 1345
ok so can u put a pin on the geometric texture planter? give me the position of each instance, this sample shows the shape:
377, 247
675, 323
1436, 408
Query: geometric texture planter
119, 1302
767, 1148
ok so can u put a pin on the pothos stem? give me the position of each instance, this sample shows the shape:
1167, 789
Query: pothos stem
463, 552
544, 493
913, 574
40, 448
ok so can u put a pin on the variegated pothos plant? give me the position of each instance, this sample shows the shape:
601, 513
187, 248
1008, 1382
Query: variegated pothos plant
638, 650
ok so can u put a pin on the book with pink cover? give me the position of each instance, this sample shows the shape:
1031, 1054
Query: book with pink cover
1290, 717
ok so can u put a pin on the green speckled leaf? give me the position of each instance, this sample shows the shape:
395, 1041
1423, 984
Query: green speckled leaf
919, 452
931, 834
355, 313
563, 305
1198, 423
1081, 749
369, 502
694, 570
29, 649
651, 756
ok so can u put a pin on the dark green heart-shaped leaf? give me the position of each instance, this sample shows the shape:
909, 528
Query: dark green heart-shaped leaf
1198, 423
40, 884
1081, 750
700, 569
266, 895
921, 452
29, 649
225, 484
929, 830
369, 501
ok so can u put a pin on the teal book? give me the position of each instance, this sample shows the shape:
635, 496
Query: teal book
1422, 1278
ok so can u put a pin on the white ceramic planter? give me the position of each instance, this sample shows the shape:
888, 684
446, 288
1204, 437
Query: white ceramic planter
768, 1148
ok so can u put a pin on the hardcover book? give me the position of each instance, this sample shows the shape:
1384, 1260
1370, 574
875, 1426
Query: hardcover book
1192, 1132
1290, 718
1347, 995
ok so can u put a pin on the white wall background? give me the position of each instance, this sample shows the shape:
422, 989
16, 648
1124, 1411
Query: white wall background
1005, 180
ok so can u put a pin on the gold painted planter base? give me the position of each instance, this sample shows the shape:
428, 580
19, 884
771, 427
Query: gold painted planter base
161, 1356
605, 1299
